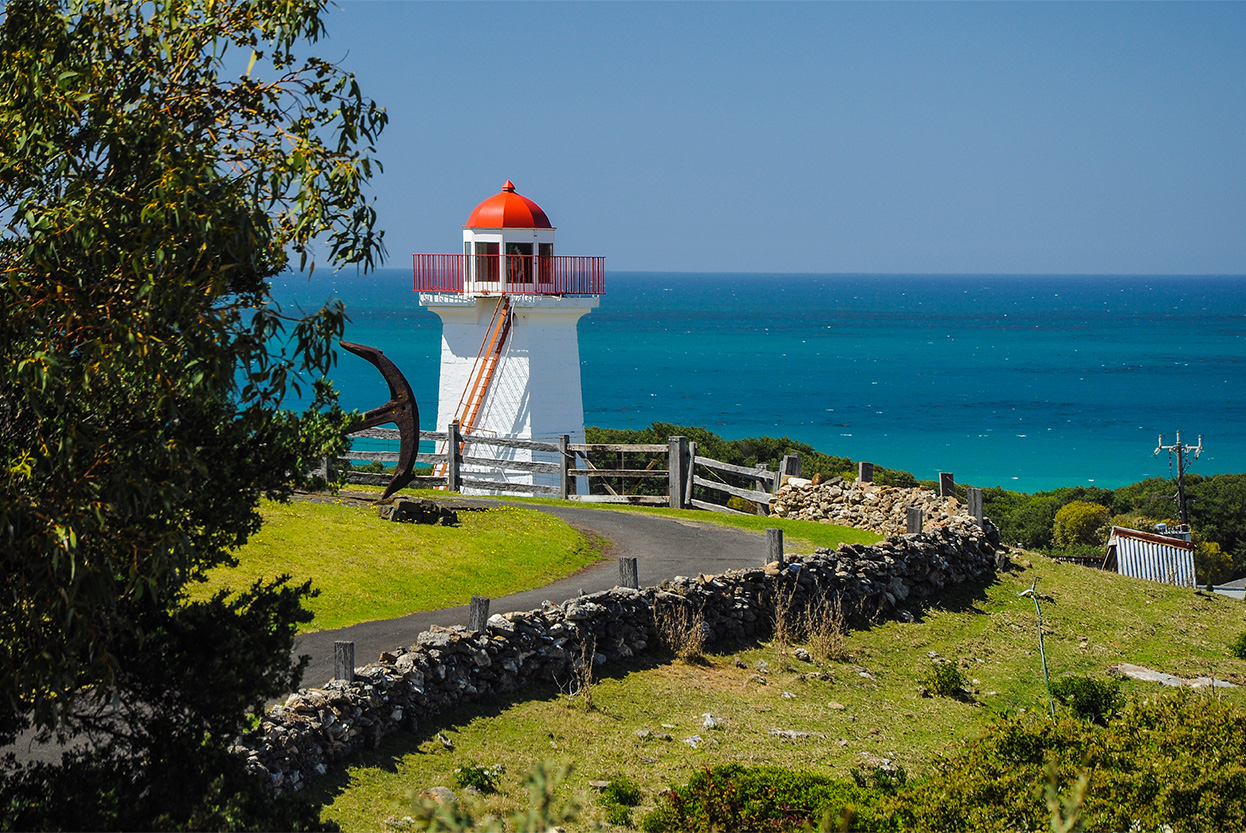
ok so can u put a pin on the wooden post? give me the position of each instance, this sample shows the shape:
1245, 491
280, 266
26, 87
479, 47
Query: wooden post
565, 487
947, 488
790, 466
865, 472
452, 457
774, 545
629, 575
762, 509
914, 519
692, 464
678, 467
344, 661
975, 507
478, 614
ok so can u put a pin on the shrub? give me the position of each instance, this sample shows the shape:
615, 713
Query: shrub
1079, 522
734, 797
482, 778
996, 782
1090, 699
946, 680
618, 798
1212, 565
621, 791
1238, 648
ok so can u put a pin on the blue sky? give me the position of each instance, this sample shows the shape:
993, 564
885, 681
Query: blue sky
818, 137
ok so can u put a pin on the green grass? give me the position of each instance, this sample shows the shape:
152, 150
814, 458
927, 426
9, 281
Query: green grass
367, 569
1096, 620
798, 536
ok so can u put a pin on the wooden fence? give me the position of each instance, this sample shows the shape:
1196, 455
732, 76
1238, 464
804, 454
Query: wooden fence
466, 454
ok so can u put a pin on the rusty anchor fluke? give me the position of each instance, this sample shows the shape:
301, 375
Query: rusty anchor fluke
401, 410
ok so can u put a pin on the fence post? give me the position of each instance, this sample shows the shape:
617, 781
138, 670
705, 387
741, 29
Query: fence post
344, 661
478, 614
692, 463
564, 466
774, 545
947, 488
452, 457
865, 472
790, 466
629, 575
678, 467
914, 520
762, 509
975, 507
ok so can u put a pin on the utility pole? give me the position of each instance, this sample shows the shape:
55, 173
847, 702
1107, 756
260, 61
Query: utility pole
1183, 462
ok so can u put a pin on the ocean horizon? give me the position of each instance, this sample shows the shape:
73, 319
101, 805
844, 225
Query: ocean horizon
1030, 382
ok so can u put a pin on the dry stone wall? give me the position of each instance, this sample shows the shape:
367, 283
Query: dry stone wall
880, 509
447, 667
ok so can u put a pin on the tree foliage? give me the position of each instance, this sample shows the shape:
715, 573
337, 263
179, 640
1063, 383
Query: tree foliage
1080, 522
159, 163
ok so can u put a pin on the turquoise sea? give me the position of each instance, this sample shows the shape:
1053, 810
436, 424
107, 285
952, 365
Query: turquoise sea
1027, 382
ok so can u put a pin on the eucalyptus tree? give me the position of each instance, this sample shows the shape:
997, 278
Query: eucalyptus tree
160, 163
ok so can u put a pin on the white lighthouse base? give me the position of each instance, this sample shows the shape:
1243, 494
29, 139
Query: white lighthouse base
535, 391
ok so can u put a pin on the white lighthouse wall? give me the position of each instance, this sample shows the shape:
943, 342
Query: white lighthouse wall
535, 392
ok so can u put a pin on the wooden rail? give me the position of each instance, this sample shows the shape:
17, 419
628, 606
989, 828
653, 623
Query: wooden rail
458, 467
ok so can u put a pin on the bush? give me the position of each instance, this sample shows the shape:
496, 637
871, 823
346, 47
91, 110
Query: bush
996, 781
1238, 648
482, 778
1090, 699
618, 798
946, 680
1079, 522
1212, 565
734, 797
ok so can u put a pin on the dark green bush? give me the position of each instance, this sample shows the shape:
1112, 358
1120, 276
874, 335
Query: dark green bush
1238, 648
1090, 699
483, 778
946, 680
734, 797
621, 791
996, 781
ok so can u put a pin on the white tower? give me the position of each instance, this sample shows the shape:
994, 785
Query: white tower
510, 355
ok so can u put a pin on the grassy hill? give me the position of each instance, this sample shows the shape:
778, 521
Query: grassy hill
827, 717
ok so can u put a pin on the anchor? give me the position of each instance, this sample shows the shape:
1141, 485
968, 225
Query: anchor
401, 410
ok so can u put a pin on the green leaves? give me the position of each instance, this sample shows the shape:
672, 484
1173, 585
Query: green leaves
147, 201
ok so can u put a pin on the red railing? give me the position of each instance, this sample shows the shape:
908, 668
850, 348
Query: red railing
528, 274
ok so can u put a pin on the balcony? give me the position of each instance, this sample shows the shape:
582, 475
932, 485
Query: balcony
509, 274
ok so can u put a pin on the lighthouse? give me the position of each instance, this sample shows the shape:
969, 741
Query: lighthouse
510, 355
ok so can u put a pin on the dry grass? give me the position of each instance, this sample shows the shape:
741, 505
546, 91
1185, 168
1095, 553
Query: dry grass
824, 628
681, 628
787, 621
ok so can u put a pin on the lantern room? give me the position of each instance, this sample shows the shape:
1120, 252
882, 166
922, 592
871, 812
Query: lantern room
508, 248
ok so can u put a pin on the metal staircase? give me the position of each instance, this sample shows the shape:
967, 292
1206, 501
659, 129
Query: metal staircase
481, 375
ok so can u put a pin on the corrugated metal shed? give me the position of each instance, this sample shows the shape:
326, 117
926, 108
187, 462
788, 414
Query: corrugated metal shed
1152, 557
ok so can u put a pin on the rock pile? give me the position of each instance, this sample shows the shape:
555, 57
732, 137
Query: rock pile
881, 509
447, 667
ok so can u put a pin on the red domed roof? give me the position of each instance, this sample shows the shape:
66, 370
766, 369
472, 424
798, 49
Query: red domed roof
508, 210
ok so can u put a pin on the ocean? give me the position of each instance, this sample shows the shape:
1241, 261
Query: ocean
1021, 381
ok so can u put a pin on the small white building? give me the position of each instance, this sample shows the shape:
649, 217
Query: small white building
510, 355
1149, 556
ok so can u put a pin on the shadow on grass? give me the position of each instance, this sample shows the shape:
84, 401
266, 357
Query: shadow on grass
388, 755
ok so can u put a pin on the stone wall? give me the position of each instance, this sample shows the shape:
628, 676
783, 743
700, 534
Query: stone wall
451, 666
880, 509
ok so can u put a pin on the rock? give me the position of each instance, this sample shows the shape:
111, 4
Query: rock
442, 796
417, 510
802, 655
836, 706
